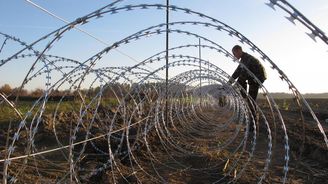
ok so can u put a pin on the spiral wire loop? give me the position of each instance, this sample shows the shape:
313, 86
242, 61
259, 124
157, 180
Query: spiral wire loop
126, 124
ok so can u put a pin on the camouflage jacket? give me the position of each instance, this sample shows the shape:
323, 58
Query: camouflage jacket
253, 65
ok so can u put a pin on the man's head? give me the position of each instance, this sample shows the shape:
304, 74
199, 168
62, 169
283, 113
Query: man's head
237, 51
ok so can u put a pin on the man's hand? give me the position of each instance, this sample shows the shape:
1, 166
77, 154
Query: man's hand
231, 80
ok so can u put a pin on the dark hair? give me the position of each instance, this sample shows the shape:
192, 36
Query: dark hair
236, 47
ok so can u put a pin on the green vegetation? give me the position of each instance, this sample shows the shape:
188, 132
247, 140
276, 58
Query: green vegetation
7, 113
285, 105
289, 95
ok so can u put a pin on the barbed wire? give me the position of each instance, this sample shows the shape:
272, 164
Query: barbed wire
122, 124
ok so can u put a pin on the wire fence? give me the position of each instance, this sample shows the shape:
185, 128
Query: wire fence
139, 124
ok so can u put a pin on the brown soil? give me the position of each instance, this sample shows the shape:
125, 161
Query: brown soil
187, 155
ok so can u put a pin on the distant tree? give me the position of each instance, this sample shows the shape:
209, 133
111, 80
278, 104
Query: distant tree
18, 92
57, 92
37, 92
6, 89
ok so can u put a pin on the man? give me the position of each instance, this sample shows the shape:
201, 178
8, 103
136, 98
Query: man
244, 77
